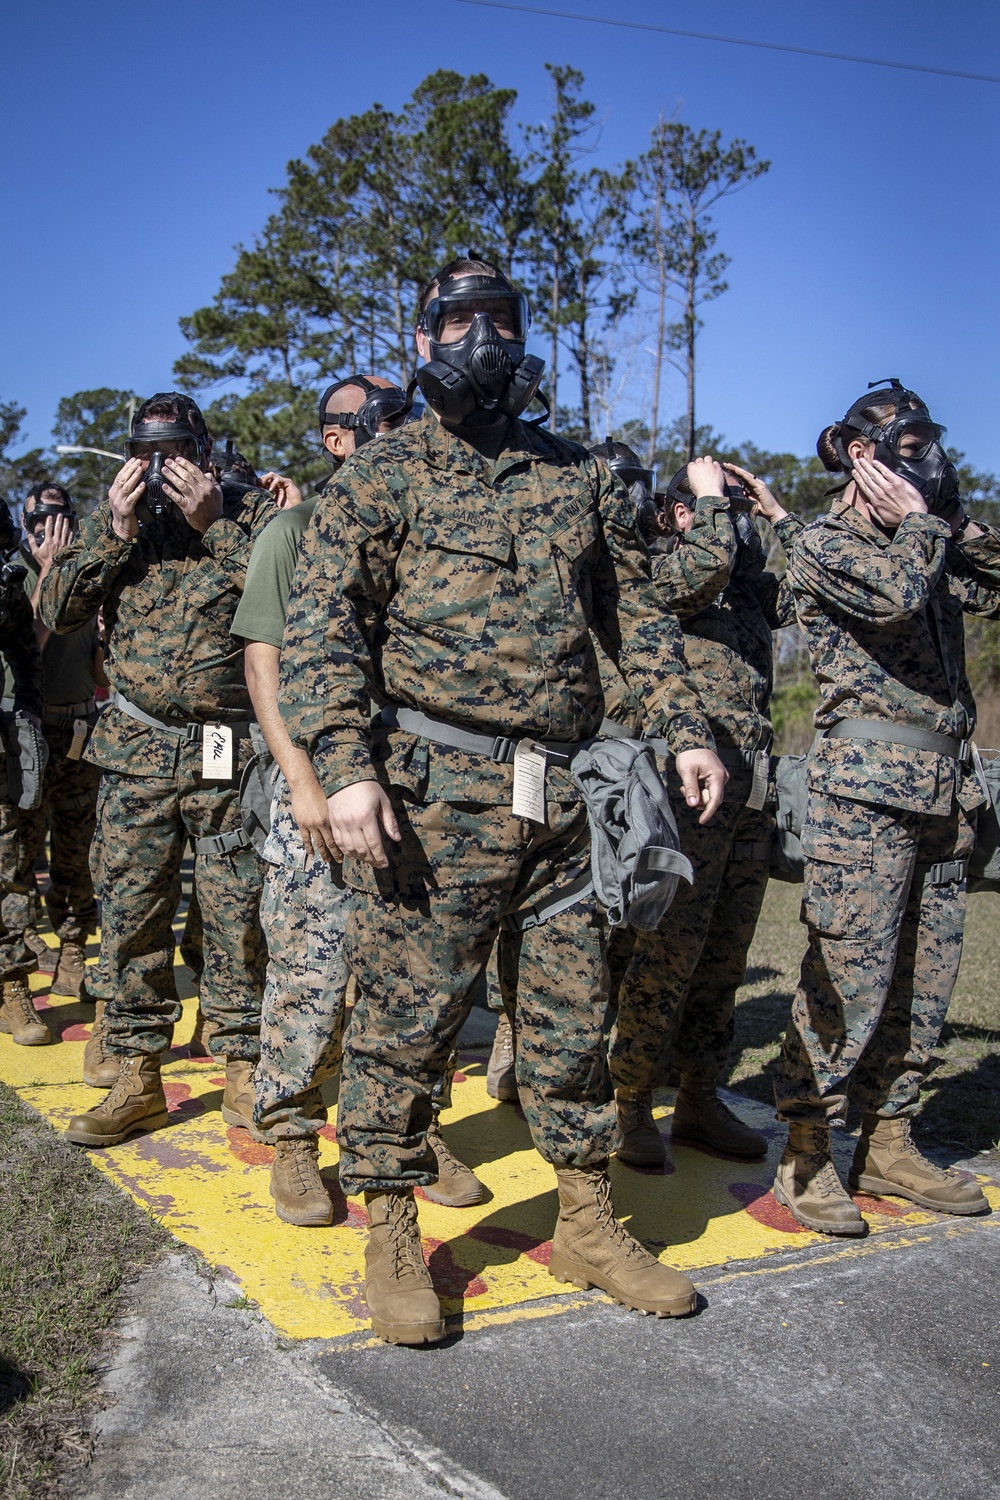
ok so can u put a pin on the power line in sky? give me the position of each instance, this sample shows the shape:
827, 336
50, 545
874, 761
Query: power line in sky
734, 41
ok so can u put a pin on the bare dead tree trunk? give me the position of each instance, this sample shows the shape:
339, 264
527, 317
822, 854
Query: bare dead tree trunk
554, 354
583, 360
690, 333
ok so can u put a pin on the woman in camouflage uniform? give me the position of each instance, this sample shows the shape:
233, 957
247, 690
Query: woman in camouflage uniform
881, 583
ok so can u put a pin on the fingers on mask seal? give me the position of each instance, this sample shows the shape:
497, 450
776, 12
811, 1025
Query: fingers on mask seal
908, 444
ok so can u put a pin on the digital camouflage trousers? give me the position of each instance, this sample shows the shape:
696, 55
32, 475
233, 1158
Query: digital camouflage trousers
144, 826
676, 987
16, 958
885, 916
67, 814
418, 941
304, 912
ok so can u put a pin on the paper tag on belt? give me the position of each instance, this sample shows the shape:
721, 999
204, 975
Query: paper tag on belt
529, 782
217, 752
80, 727
758, 788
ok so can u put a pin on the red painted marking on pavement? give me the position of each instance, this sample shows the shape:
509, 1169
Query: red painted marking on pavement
250, 1152
535, 1249
449, 1278
328, 1132
870, 1205
761, 1204
74, 1033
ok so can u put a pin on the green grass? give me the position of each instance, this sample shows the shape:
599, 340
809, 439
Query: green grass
69, 1242
961, 1102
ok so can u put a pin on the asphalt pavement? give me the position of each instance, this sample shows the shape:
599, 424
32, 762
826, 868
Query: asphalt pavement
857, 1371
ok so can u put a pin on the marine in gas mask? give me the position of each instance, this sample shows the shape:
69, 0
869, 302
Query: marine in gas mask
456, 569
676, 987
165, 559
891, 432
471, 334
881, 584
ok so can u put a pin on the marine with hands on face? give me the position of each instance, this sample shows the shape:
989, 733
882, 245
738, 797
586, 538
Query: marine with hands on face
454, 570
72, 668
881, 586
22, 659
676, 986
165, 558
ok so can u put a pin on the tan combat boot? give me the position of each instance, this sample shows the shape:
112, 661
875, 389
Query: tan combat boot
457, 1185
591, 1247
238, 1099
70, 970
501, 1077
20, 1018
136, 1102
45, 957
204, 1030
700, 1115
640, 1141
398, 1289
808, 1186
100, 1067
296, 1186
887, 1161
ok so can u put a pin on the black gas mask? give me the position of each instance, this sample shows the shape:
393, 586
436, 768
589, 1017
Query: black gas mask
34, 521
640, 482
183, 442
482, 377
384, 406
909, 444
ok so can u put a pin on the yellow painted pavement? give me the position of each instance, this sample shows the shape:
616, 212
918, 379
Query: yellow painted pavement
208, 1184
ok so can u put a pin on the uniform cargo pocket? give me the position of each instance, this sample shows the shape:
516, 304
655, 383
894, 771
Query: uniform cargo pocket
838, 898
446, 578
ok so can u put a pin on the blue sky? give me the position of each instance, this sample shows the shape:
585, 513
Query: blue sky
140, 143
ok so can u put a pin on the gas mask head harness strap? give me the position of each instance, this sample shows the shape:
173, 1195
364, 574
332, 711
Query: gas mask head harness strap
383, 406
150, 436
909, 443
483, 375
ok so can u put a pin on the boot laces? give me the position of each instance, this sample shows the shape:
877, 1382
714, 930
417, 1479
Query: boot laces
908, 1147
447, 1162
504, 1052
121, 1090
610, 1224
402, 1242
299, 1156
826, 1180
636, 1113
19, 999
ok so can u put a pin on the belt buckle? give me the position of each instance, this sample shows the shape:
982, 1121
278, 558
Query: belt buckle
502, 750
193, 733
965, 753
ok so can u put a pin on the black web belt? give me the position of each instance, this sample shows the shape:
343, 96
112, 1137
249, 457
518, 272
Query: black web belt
191, 732
497, 747
901, 734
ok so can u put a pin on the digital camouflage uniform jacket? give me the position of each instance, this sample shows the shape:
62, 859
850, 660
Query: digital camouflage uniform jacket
168, 598
19, 647
883, 616
727, 624
438, 579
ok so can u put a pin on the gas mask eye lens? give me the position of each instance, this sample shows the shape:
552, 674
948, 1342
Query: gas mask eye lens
915, 439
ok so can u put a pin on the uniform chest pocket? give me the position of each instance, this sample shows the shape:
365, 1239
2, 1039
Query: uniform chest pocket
446, 576
573, 550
